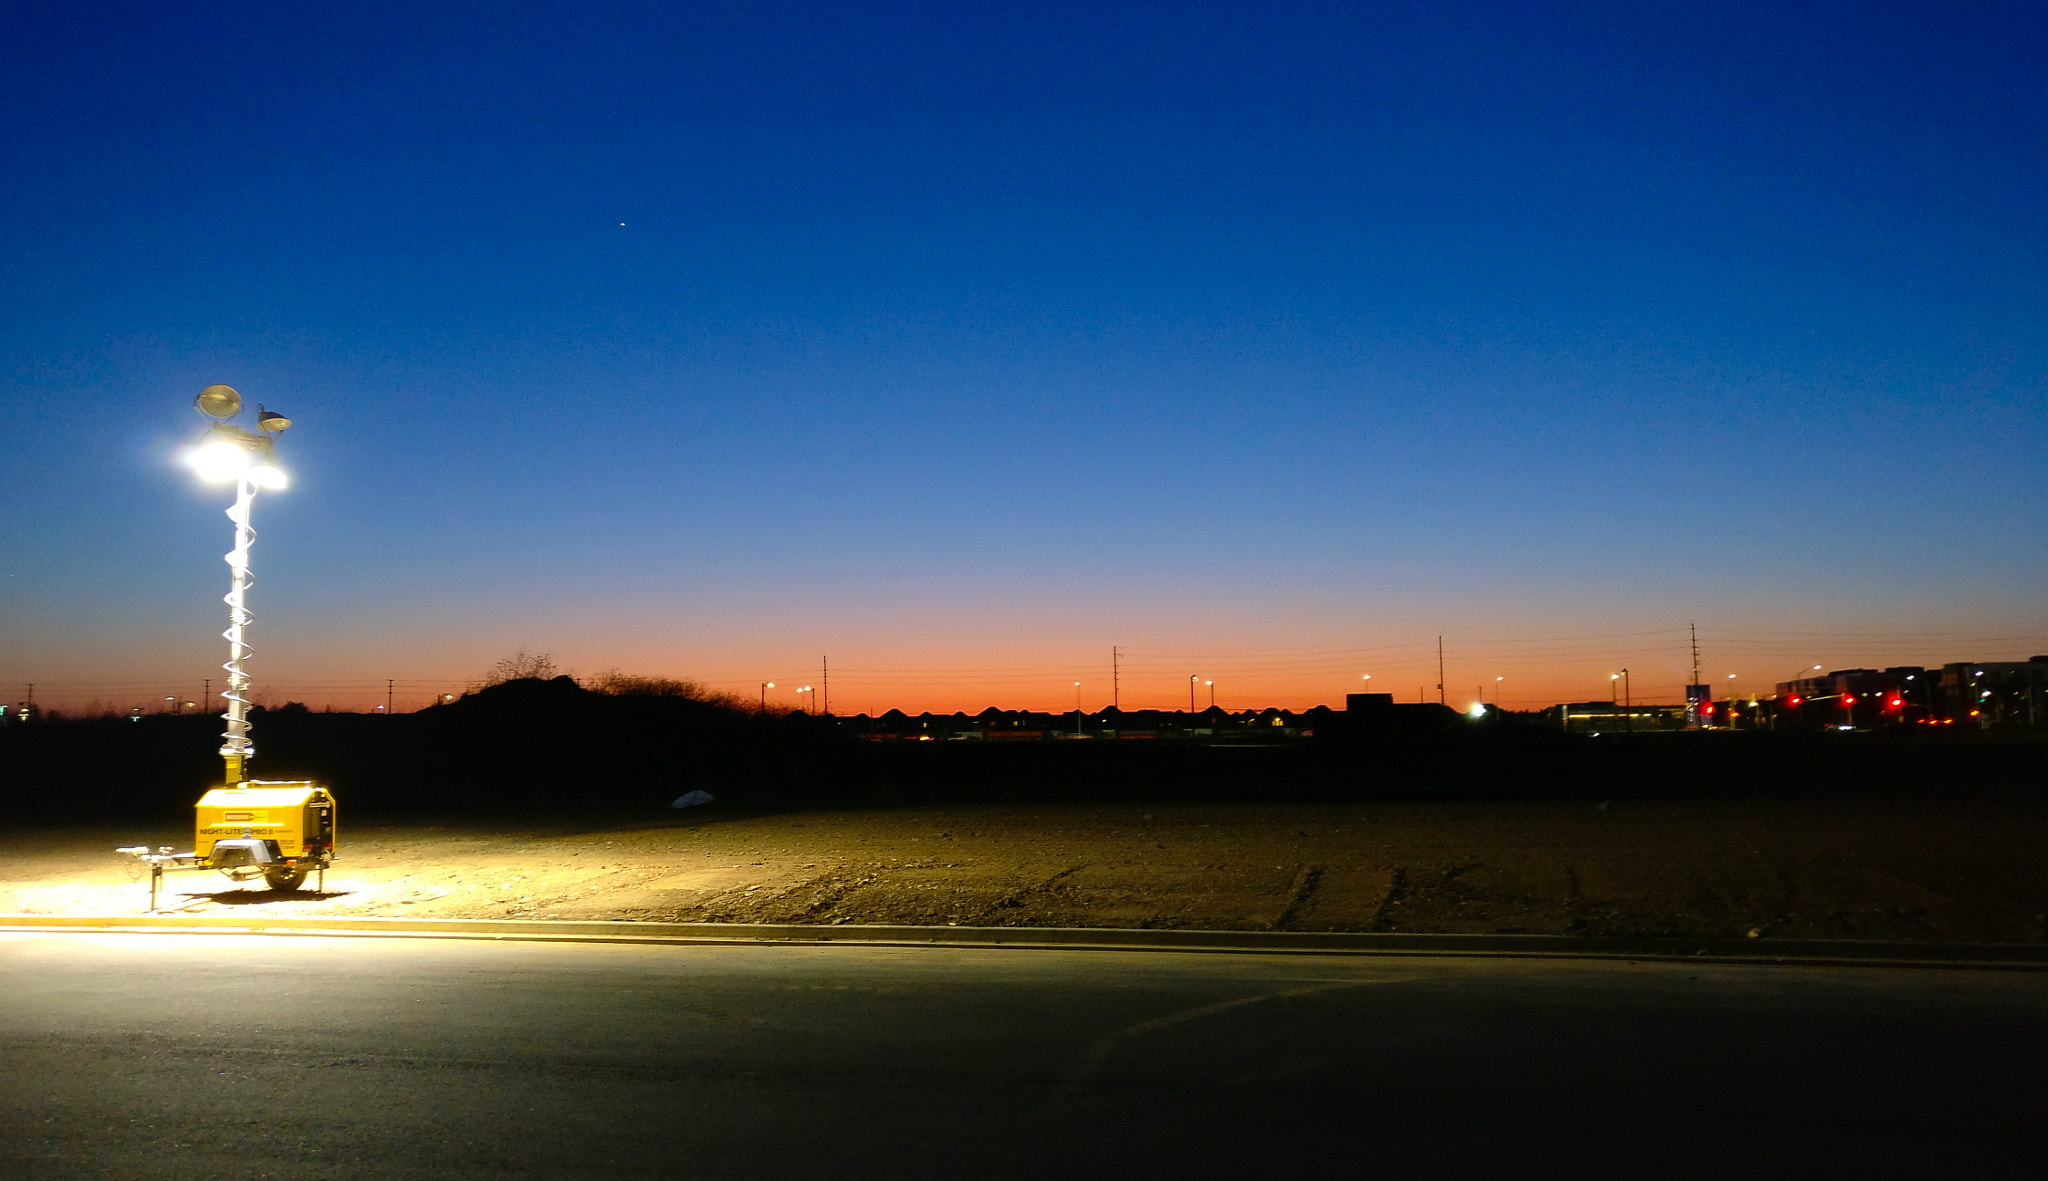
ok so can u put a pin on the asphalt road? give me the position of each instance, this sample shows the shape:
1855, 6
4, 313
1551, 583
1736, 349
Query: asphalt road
250, 1056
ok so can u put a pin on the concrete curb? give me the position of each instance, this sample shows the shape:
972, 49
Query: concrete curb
1816, 952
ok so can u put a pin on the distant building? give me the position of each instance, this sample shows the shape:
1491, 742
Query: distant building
1373, 715
1995, 694
1983, 694
1606, 717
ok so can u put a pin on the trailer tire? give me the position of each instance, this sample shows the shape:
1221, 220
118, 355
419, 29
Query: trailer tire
282, 877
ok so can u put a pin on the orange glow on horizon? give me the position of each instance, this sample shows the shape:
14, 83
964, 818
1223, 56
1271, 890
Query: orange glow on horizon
1515, 673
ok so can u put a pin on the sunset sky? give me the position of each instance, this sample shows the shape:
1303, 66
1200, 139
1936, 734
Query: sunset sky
963, 342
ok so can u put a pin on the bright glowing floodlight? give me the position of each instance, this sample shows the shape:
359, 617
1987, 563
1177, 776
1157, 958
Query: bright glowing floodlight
219, 461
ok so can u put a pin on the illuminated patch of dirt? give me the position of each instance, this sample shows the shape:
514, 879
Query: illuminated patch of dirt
1963, 871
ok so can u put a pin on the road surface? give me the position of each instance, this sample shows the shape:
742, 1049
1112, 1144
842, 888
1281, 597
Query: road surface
251, 1056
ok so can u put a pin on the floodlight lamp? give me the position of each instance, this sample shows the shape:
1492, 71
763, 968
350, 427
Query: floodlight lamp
1478, 709
270, 422
218, 460
219, 401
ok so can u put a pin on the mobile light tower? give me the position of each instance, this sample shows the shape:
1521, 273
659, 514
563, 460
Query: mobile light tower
246, 828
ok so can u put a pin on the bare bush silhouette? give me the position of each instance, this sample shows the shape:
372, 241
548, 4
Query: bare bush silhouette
618, 684
516, 667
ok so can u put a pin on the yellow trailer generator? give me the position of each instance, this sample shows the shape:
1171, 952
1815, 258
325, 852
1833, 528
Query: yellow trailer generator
277, 830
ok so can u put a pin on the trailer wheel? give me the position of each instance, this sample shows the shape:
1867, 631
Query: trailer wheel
282, 877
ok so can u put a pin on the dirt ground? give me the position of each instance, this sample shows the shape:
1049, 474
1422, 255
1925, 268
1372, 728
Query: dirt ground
1966, 871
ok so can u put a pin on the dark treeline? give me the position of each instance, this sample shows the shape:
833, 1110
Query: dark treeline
535, 747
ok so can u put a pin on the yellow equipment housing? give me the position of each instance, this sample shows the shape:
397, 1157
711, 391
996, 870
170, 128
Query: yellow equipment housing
298, 816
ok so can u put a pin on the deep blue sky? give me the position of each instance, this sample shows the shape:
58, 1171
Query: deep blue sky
963, 342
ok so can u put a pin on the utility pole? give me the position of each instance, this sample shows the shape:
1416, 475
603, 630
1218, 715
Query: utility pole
825, 679
387, 697
1440, 671
1693, 691
206, 691
1116, 700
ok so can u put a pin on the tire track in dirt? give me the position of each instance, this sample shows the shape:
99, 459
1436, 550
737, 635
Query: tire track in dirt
1574, 899
832, 889
1015, 899
1305, 883
1397, 891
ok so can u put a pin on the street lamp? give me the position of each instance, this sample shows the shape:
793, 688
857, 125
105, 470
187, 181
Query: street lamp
1496, 691
1212, 693
1192, 678
765, 686
1077, 709
1800, 675
248, 459
1620, 680
814, 697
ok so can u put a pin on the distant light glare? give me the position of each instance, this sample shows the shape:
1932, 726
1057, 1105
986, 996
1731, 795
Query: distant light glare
1478, 709
267, 476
